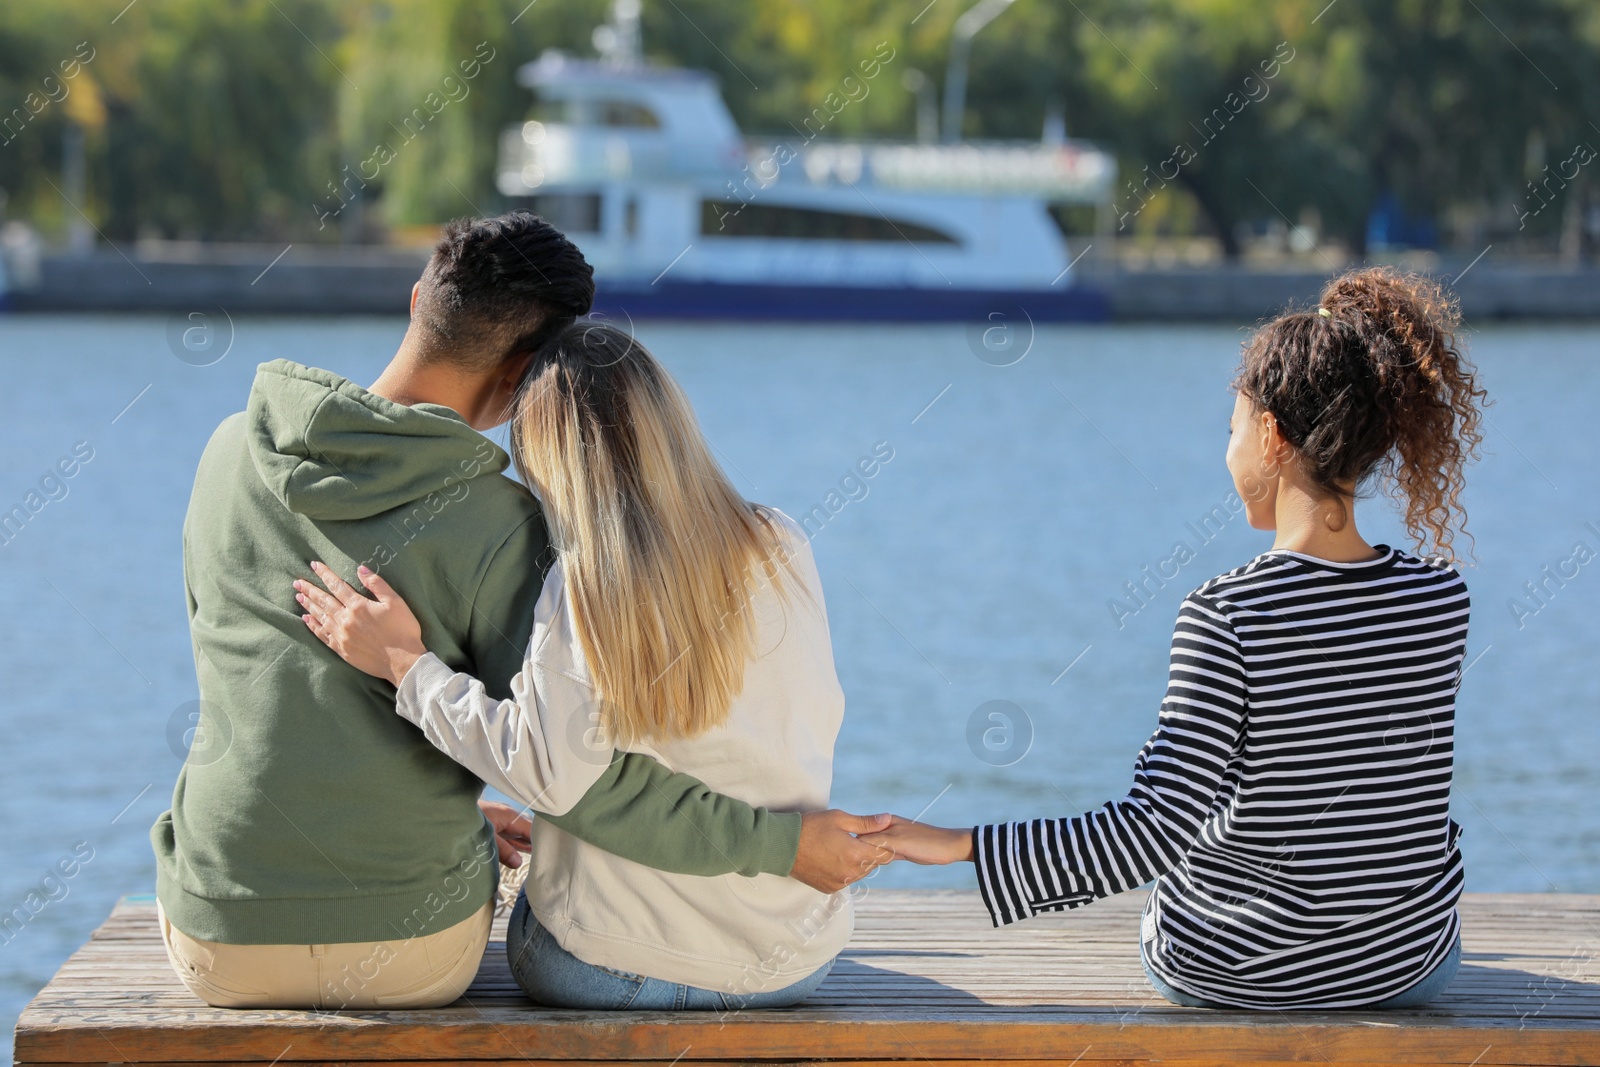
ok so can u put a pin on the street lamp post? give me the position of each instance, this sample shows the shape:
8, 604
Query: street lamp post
967, 26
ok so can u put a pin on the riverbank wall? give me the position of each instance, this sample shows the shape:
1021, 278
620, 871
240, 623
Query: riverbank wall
377, 281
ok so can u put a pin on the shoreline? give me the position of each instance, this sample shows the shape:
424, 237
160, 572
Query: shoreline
248, 279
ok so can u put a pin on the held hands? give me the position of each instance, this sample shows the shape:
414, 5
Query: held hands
838, 849
380, 637
831, 856
920, 843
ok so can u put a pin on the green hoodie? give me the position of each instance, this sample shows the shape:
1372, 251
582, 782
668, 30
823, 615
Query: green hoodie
308, 812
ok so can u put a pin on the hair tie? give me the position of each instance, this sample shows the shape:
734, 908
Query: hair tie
1324, 312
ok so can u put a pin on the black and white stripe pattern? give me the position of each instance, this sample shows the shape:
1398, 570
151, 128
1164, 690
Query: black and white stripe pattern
1293, 802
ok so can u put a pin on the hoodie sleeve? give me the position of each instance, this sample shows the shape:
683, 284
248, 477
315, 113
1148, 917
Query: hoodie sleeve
635, 807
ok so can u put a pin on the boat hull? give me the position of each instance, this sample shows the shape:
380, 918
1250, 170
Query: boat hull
667, 299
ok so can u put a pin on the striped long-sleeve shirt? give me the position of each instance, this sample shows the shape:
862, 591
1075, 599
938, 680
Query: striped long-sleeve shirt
1293, 802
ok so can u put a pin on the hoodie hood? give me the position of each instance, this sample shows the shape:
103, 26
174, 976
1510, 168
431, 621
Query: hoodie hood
328, 449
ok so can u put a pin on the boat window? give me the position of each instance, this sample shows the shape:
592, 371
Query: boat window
614, 113
620, 113
734, 218
569, 212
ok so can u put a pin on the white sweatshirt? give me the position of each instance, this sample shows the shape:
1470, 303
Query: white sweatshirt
728, 933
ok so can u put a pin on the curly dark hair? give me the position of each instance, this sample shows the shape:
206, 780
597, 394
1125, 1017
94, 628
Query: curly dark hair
499, 287
1372, 385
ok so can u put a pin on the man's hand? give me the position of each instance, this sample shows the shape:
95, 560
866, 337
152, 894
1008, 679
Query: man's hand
921, 843
512, 831
831, 856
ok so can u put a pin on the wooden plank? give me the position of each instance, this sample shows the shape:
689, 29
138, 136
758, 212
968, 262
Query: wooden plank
802, 1038
691, 1062
722, 1063
924, 978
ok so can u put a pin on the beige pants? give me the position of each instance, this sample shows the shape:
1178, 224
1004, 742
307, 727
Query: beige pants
421, 972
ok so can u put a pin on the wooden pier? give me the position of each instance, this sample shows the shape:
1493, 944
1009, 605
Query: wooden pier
925, 979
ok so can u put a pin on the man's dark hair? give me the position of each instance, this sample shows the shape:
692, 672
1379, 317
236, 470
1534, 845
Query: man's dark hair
497, 288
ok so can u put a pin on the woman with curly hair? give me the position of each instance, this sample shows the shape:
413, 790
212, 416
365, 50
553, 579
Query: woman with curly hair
1293, 804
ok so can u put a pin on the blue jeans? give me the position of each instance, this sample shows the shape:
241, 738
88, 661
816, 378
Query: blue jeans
555, 978
1422, 993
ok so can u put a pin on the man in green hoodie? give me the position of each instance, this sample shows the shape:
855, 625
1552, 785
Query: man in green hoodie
319, 852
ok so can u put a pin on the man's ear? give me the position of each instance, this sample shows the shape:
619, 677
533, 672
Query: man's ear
515, 369
415, 287
511, 375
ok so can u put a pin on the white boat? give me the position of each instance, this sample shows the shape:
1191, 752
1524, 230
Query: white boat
682, 216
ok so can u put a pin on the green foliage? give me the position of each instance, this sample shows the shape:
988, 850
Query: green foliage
257, 119
32, 141
430, 86
212, 118
226, 115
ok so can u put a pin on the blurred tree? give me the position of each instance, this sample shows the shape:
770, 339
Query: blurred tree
431, 85
1430, 101
1443, 97
320, 119
219, 116
34, 42
1192, 96
780, 59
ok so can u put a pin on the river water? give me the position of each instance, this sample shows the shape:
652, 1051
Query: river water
995, 662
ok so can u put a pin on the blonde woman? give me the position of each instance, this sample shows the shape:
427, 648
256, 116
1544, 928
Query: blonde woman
680, 621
